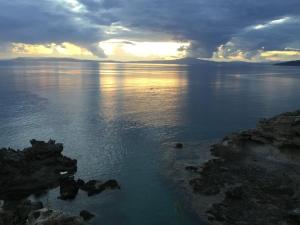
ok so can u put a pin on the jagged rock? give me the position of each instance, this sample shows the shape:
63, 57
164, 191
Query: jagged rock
52, 217
86, 215
16, 213
68, 189
94, 187
258, 170
32, 170
91, 184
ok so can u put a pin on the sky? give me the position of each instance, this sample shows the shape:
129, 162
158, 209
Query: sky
222, 30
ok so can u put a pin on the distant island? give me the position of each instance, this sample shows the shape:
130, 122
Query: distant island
289, 63
182, 61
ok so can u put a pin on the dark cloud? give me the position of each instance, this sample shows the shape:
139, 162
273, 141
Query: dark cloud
271, 36
207, 24
39, 22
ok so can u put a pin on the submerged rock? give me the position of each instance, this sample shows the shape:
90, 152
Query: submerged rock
111, 184
178, 145
33, 169
86, 215
94, 187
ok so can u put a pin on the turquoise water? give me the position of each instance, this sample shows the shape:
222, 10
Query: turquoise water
121, 120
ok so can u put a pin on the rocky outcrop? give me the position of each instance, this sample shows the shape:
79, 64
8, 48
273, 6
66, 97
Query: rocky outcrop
26, 212
69, 187
33, 170
16, 213
256, 175
52, 217
86, 215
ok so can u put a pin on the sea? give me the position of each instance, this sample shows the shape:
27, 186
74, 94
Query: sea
122, 120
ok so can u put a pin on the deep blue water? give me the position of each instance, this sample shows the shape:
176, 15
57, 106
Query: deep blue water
120, 121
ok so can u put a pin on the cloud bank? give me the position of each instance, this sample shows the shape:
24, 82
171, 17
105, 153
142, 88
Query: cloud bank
222, 29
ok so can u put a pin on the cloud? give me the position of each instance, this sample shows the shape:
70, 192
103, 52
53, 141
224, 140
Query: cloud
64, 49
262, 41
247, 27
42, 22
208, 24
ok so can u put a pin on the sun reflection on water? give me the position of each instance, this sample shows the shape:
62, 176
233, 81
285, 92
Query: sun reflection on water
148, 94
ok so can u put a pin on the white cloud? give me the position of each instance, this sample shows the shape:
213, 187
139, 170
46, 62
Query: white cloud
272, 23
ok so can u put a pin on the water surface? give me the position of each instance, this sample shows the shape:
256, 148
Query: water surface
120, 121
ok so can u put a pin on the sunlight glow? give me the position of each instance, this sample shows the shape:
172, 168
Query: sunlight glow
230, 52
73, 5
115, 28
281, 55
52, 49
133, 50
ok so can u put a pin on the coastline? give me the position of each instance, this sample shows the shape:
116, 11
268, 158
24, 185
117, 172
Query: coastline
34, 171
253, 178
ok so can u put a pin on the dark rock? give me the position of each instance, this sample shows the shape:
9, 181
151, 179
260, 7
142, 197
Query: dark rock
199, 186
33, 170
191, 168
94, 187
80, 183
68, 189
17, 212
211, 190
111, 184
294, 215
52, 217
89, 185
178, 145
216, 213
258, 170
235, 193
86, 215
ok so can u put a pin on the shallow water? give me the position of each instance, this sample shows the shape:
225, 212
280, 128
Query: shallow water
121, 120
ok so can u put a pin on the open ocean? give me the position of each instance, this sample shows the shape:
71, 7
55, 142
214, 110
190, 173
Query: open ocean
120, 121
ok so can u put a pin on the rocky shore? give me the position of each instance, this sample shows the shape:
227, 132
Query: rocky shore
35, 170
254, 177
32, 170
